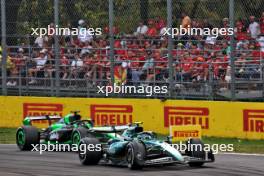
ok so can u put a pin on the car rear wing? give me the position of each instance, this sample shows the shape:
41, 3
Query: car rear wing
110, 129
29, 119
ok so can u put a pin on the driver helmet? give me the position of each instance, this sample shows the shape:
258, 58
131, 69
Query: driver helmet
71, 118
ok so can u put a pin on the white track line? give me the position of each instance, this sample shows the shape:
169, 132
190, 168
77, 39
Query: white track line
241, 154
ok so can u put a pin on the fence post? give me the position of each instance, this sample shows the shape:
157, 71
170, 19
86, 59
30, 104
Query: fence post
232, 43
262, 73
3, 43
111, 33
211, 81
170, 46
56, 49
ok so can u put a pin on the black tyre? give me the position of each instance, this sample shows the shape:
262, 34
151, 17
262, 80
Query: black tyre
197, 152
87, 155
196, 164
78, 134
135, 155
26, 136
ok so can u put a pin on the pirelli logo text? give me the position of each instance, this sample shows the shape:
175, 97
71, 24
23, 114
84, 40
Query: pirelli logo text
111, 114
186, 116
41, 109
187, 134
253, 120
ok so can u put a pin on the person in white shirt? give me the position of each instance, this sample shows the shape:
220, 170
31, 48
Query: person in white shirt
83, 34
77, 63
210, 40
40, 40
76, 66
163, 32
254, 28
261, 42
40, 63
141, 29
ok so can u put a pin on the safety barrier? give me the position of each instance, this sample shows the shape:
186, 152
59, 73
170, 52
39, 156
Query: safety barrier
221, 119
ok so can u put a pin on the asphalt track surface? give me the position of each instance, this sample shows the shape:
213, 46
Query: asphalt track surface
16, 163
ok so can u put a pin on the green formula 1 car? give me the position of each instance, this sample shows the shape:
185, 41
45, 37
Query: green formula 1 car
135, 148
64, 130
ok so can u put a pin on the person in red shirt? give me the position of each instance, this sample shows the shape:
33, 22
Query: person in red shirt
115, 30
141, 55
90, 67
241, 33
20, 59
200, 67
186, 66
64, 66
102, 57
215, 61
159, 23
160, 62
152, 31
131, 58
119, 51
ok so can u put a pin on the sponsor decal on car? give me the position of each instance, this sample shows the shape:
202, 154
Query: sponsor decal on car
253, 120
111, 114
186, 116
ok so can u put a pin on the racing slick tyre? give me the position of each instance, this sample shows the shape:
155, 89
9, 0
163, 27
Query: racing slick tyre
78, 134
197, 152
135, 155
26, 136
90, 151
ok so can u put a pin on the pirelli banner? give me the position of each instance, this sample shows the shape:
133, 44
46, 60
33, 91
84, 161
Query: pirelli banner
222, 119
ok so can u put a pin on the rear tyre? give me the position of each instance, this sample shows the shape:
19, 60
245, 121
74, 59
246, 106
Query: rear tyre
198, 153
135, 155
90, 151
78, 134
26, 136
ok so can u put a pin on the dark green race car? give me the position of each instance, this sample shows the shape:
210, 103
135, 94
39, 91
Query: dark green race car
64, 130
133, 147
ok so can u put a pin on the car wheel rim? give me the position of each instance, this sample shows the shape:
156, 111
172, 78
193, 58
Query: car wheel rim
20, 137
76, 138
130, 157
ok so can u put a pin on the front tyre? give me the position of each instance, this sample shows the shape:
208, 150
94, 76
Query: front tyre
135, 155
199, 153
90, 151
26, 136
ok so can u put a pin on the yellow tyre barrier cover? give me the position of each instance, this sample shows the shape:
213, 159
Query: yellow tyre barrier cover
216, 118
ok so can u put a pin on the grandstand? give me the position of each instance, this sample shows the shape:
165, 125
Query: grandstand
134, 51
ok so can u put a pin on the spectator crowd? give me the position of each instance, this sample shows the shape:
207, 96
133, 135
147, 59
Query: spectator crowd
141, 57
